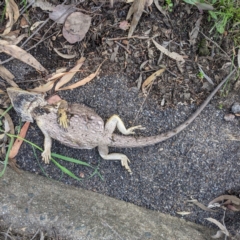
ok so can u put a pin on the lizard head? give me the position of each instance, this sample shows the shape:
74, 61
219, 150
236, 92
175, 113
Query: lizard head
24, 102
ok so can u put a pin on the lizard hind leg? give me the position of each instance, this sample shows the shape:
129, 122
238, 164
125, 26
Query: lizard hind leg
116, 122
103, 151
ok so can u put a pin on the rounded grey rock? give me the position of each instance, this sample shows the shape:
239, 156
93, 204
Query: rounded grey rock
236, 108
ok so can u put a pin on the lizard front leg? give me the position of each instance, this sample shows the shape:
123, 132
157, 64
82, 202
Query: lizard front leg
103, 151
116, 122
46, 154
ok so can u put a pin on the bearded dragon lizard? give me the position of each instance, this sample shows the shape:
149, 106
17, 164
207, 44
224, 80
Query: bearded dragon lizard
86, 129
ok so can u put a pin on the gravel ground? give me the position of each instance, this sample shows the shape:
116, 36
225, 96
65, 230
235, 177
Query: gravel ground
198, 163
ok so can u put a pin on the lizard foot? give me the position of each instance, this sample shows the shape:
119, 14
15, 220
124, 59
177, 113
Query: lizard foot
124, 162
131, 130
63, 119
103, 151
46, 156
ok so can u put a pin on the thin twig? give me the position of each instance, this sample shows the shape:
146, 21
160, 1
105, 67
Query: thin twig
140, 109
122, 38
24, 8
7, 233
129, 52
223, 220
216, 45
42, 39
35, 234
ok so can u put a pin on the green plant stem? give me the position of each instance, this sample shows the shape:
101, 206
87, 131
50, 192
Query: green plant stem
8, 109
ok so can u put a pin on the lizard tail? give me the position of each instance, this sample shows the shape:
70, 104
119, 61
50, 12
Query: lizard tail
131, 142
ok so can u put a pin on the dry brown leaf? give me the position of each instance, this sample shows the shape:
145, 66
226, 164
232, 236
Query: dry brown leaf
111, 3
18, 39
36, 24
194, 33
180, 66
8, 76
139, 81
222, 198
238, 58
59, 73
150, 79
136, 10
221, 226
65, 78
160, 9
66, 56
43, 88
5, 101
60, 13
24, 23
148, 3
61, 70
172, 55
12, 162
114, 54
76, 26
55, 76
12, 14
3, 42
68, 76
12, 39
83, 81
11, 35
22, 55
200, 205
18, 142
183, 213
9, 121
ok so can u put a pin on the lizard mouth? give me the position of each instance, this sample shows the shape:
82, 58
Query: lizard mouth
23, 102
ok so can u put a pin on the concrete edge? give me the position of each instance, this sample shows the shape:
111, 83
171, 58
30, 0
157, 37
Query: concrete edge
30, 202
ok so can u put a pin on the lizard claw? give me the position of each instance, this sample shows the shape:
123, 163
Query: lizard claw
131, 130
124, 162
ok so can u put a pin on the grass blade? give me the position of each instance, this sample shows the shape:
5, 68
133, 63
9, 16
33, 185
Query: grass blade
69, 159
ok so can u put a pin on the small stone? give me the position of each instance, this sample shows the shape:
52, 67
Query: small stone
235, 108
81, 175
187, 96
155, 28
229, 117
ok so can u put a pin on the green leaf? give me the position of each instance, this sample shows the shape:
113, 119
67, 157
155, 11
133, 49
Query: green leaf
204, 6
220, 28
192, 2
213, 15
65, 170
71, 159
